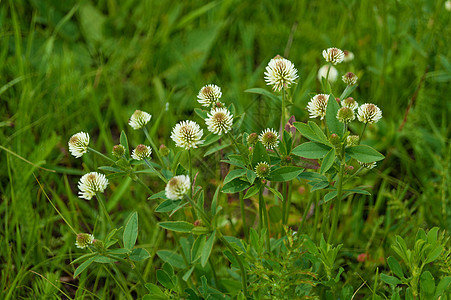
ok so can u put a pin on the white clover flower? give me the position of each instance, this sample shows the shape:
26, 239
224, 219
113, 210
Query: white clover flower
209, 94
83, 240
91, 183
348, 56
350, 78
262, 169
317, 106
333, 73
219, 120
269, 138
177, 187
141, 151
280, 73
78, 144
448, 5
349, 102
139, 119
333, 55
369, 113
368, 166
187, 134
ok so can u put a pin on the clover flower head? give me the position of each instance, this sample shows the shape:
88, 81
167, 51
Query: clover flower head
352, 140
317, 106
118, 151
349, 102
280, 73
262, 169
333, 73
141, 152
187, 134
177, 187
350, 78
91, 183
209, 94
219, 120
83, 240
269, 138
345, 115
78, 144
139, 119
252, 139
348, 56
369, 113
368, 166
333, 55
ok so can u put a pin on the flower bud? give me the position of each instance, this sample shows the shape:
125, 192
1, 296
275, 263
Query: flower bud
164, 151
350, 102
262, 170
118, 151
252, 139
345, 115
334, 139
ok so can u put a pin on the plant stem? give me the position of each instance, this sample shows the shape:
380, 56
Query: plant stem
363, 131
284, 203
154, 146
238, 149
101, 154
144, 185
282, 118
153, 169
264, 217
315, 227
243, 215
100, 199
191, 177
339, 194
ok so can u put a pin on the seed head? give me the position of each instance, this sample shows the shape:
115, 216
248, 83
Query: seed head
345, 115
139, 119
91, 183
219, 120
269, 138
369, 113
350, 102
118, 151
350, 78
78, 144
333, 55
83, 240
177, 187
262, 170
280, 73
209, 94
333, 73
317, 106
187, 134
141, 151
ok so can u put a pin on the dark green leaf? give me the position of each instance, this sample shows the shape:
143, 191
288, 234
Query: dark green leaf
364, 153
328, 161
84, 265
318, 185
139, 254
172, 258
159, 195
167, 206
250, 175
210, 139
198, 246
259, 155
234, 174
155, 292
332, 122
306, 131
104, 260
235, 186
319, 133
442, 286
312, 176
165, 280
434, 254
275, 192
252, 191
395, 267
283, 174
201, 113
329, 196
264, 93
427, 283
206, 251
216, 148
124, 142
131, 231
188, 273
177, 226
311, 150
110, 169
390, 279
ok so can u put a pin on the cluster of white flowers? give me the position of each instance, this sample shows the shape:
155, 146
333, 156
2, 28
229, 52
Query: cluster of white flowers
280, 73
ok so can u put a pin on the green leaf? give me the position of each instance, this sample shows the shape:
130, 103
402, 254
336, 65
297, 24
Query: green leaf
216, 148
311, 150
306, 131
172, 258
235, 186
165, 280
124, 142
287, 141
210, 139
434, 254
348, 90
259, 155
214, 202
442, 286
275, 192
110, 169
167, 206
355, 191
283, 174
139, 254
251, 176
198, 246
159, 195
319, 133
390, 280
201, 113
328, 161
252, 191
432, 235
364, 153
155, 292
104, 260
329, 196
427, 283
84, 265
131, 231
83, 257
234, 174
395, 267
332, 122
318, 185
312, 176
264, 92
206, 251
177, 226
188, 273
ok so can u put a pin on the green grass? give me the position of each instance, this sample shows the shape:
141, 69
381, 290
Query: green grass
70, 66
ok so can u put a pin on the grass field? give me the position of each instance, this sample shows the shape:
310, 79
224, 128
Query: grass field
71, 66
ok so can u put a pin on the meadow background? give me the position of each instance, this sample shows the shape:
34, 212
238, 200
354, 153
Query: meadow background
70, 66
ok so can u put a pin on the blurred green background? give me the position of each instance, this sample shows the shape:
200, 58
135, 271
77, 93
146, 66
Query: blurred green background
70, 66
